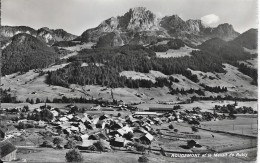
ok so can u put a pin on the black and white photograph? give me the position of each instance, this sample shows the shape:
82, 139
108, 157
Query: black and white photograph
129, 81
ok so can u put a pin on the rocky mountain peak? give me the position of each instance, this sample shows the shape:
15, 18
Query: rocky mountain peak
109, 25
141, 23
141, 19
194, 25
224, 31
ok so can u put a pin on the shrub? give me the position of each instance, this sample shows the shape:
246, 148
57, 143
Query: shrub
129, 135
47, 144
70, 145
92, 148
171, 126
175, 130
143, 159
139, 147
57, 140
74, 155
100, 146
194, 129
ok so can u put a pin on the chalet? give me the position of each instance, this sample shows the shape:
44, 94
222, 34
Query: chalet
55, 113
90, 126
63, 126
102, 136
7, 151
82, 127
67, 131
70, 116
117, 125
121, 131
140, 130
127, 129
64, 119
98, 136
41, 124
147, 138
118, 142
95, 121
84, 137
74, 129
93, 137
145, 113
96, 107
101, 124
105, 116
160, 110
86, 143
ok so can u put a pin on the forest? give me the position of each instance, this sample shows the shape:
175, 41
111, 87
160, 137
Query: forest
105, 64
25, 53
129, 58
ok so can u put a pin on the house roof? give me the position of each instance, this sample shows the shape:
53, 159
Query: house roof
84, 137
55, 113
63, 119
149, 136
3, 129
119, 139
102, 136
121, 131
145, 113
87, 143
6, 148
161, 109
127, 129
95, 121
64, 125
70, 116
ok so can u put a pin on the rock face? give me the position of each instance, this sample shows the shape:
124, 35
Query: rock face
141, 26
8, 31
50, 36
223, 31
141, 19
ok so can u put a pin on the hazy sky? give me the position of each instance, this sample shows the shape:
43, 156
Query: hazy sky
75, 16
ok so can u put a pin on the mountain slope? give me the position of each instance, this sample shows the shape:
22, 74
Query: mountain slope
26, 52
226, 50
248, 39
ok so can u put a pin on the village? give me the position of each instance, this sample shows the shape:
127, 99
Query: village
121, 128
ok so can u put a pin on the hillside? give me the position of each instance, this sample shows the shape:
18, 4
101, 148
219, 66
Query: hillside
226, 50
26, 52
248, 39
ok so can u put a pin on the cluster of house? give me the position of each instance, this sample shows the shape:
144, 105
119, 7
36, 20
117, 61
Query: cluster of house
112, 130
7, 149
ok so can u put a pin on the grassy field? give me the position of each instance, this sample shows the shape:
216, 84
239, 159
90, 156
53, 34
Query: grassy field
183, 51
240, 125
51, 155
204, 105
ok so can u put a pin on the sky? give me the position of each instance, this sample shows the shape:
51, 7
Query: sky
76, 16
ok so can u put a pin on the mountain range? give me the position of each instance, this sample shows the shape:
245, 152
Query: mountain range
141, 26
134, 50
50, 36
